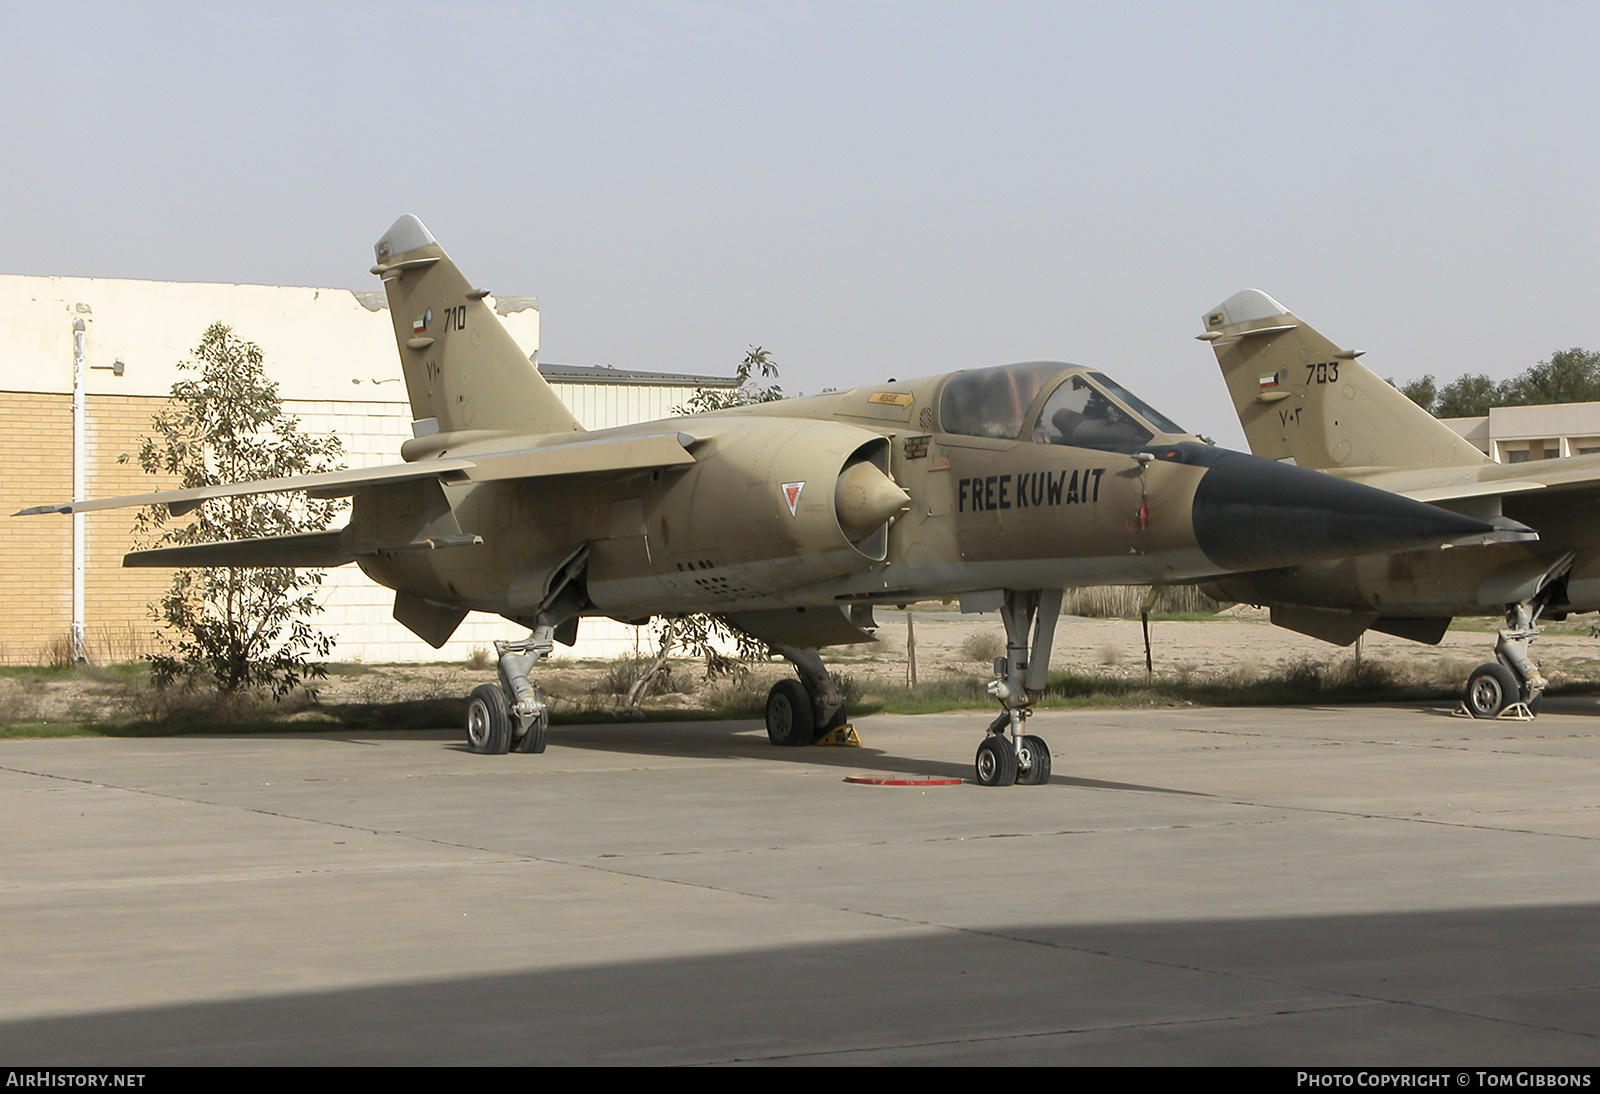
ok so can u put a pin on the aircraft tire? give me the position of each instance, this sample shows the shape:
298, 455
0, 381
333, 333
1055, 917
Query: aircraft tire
791, 720
996, 763
537, 736
840, 717
1490, 689
1037, 773
488, 721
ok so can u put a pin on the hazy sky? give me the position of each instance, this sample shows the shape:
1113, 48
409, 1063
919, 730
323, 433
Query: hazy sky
866, 189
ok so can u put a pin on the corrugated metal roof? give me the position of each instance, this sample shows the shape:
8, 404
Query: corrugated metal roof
605, 374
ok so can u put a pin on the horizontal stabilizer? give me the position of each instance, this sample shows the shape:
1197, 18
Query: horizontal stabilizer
312, 549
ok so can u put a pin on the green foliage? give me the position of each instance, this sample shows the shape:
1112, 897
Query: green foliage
757, 365
1423, 392
1569, 376
1468, 396
239, 628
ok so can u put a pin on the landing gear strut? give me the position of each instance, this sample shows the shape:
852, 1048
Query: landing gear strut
800, 711
1007, 756
511, 715
1512, 678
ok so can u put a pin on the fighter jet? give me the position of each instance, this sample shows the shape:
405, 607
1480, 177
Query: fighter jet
1303, 399
790, 520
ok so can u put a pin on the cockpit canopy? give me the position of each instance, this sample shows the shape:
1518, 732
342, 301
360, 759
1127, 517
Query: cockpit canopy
1082, 408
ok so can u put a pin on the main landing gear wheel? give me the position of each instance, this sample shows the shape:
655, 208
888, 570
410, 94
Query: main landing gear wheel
996, 764
537, 734
1490, 689
488, 721
1034, 766
791, 718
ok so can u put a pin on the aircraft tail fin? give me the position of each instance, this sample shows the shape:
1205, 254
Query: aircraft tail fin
1300, 396
463, 370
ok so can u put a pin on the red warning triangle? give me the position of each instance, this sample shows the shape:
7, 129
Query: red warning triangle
791, 494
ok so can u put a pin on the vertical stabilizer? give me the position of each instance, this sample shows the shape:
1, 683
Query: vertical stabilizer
1300, 396
463, 370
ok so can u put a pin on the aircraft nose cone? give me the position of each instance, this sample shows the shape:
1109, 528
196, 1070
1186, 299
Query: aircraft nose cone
1255, 514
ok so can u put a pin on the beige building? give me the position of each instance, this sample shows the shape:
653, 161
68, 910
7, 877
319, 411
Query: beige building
333, 355
1517, 434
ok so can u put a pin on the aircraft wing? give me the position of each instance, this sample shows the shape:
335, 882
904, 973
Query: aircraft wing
1548, 475
588, 456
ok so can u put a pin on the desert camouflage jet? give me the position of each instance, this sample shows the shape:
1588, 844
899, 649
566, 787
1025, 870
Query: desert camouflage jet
1302, 398
791, 520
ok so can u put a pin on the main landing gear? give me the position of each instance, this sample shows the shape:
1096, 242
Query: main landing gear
1007, 756
801, 711
511, 715
1510, 686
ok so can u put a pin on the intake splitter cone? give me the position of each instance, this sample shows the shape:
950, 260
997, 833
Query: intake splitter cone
1255, 514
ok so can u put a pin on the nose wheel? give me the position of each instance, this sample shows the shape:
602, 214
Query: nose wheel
1001, 763
996, 764
1033, 762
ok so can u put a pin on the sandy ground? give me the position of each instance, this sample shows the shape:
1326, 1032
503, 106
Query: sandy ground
1241, 644
1223, 646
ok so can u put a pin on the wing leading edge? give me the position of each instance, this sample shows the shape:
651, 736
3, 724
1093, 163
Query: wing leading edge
588, 456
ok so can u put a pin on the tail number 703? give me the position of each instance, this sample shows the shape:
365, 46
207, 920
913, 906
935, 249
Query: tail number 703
1323, 372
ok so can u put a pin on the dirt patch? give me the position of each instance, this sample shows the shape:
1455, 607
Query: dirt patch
947, 643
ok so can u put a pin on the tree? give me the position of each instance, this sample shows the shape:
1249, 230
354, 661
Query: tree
239, 628
1423, 392
1468, 396
1569, 376
757, 362
705, 636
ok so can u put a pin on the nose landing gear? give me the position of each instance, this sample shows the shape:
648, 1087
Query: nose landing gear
1007, 756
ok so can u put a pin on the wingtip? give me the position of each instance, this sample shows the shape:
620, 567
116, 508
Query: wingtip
37, 510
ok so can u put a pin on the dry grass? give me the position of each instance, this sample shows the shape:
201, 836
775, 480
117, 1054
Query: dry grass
1126, 602
982, 647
